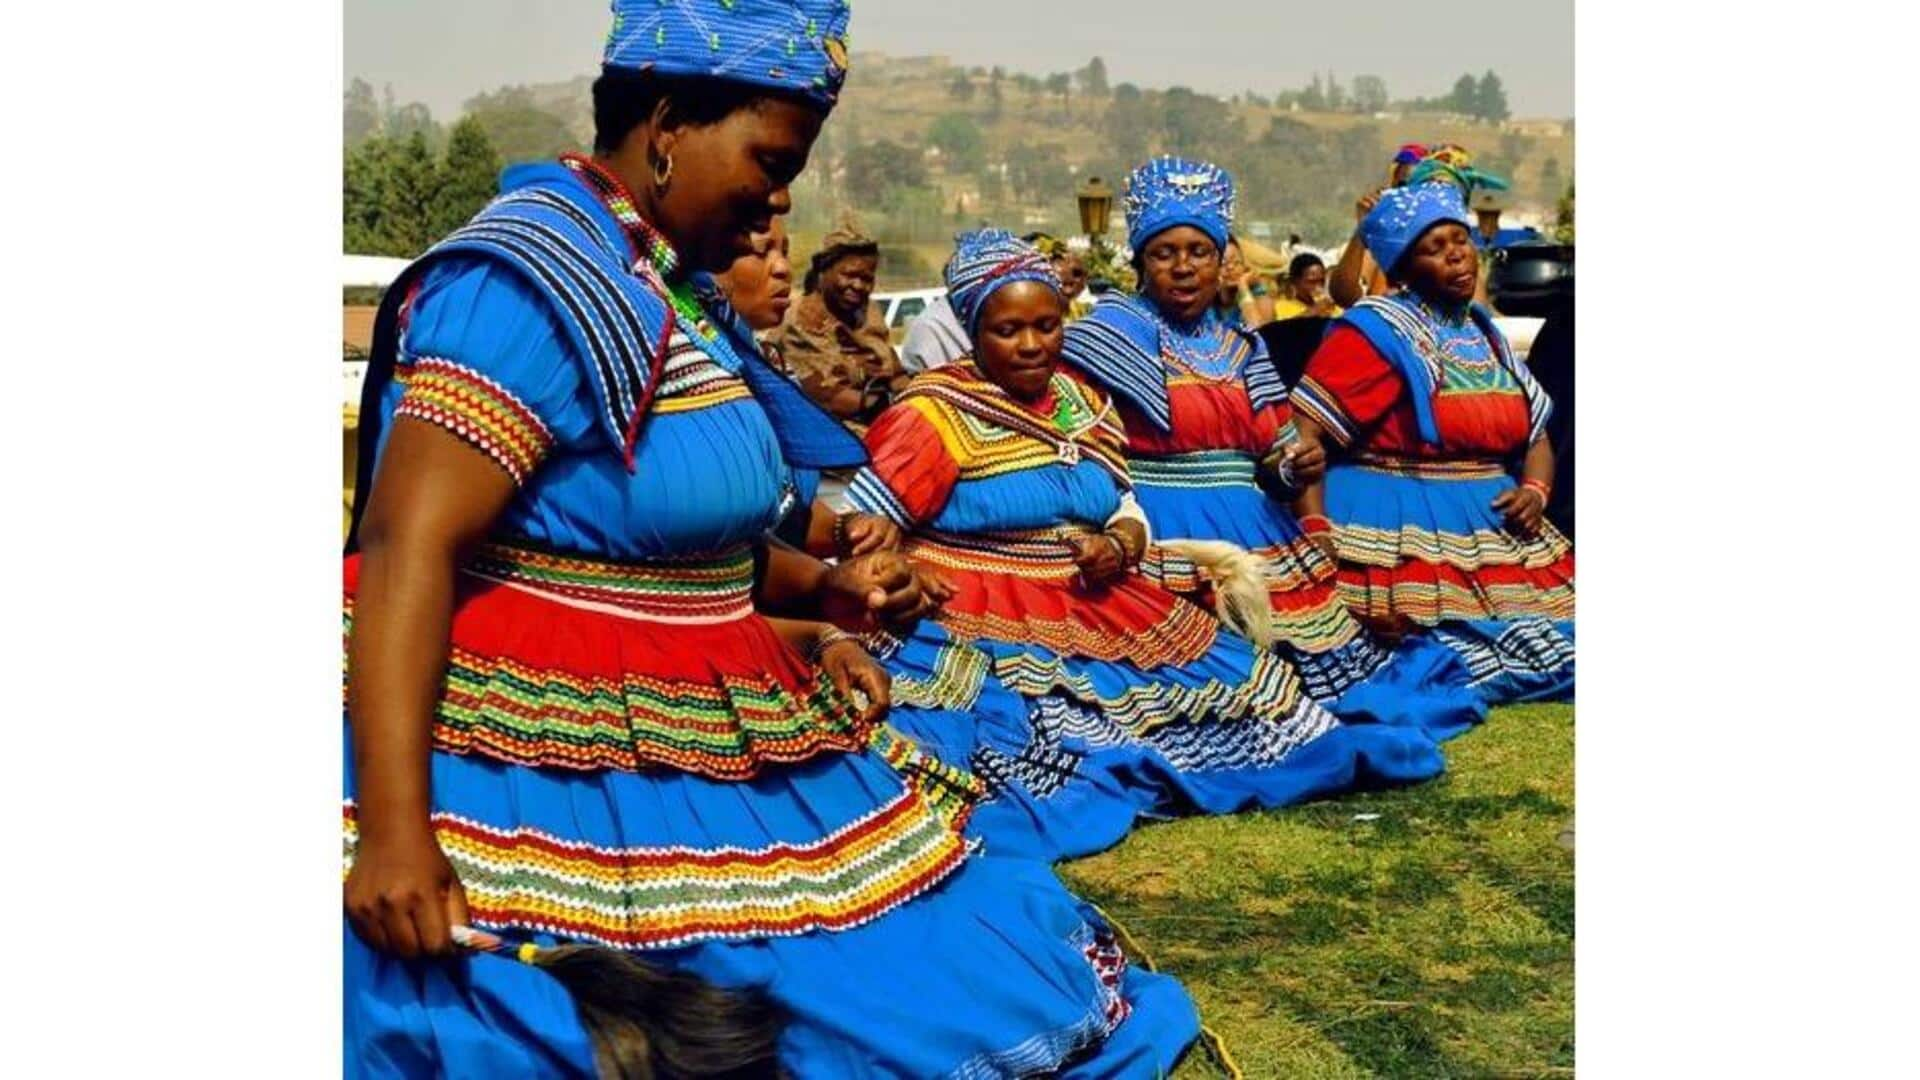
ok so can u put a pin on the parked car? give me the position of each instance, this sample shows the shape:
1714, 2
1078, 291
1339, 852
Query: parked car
900, 307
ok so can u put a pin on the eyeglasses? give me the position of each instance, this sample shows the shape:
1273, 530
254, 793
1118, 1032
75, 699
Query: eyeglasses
1165, 255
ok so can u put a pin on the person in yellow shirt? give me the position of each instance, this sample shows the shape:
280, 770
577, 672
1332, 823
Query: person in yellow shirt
1305, 292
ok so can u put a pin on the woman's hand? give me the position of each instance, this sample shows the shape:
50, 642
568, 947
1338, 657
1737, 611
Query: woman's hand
1105, 556
866, 533
1523, 508
1328, 545
852, 669
402, 896
1390, 629
1300, 464
874, 591
1364, 204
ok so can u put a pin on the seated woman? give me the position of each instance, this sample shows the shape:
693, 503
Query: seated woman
565, 720
1205, 415
1010, 479
1430, 415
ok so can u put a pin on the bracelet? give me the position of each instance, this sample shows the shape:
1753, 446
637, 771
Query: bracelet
828, 638
1539, 488
1119, 545
1258, 288
840, 532
1316, 523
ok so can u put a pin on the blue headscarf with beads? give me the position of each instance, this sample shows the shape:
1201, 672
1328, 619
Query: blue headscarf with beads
1170, 191
985, 260
793, 45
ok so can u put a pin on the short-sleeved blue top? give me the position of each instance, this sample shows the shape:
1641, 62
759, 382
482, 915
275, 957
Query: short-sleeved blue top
708, 471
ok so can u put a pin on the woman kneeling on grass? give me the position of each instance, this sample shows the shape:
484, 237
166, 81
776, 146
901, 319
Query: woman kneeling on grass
1208, 421
1430, 417
567, 724
1010, 477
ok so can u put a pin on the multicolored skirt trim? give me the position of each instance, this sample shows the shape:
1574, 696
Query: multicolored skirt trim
1421, 540
574, 663
1196, 496
1025, 587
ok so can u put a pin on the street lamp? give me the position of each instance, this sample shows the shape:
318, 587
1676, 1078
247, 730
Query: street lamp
1096, 207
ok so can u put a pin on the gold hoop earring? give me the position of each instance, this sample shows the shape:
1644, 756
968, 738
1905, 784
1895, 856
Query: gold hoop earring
661, 176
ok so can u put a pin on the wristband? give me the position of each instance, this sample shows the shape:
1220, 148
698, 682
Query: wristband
1316, 523
828, 638
1541, 489
840, 532
1120, 546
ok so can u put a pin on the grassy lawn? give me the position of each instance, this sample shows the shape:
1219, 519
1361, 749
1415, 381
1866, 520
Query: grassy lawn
1434, 940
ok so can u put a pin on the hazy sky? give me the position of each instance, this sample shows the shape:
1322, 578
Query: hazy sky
443, 51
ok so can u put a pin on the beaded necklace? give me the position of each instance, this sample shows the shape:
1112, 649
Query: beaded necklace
653, 248
1215, 358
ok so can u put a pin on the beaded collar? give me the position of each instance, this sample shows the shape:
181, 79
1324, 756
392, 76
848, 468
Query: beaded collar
653, 248
1205, 351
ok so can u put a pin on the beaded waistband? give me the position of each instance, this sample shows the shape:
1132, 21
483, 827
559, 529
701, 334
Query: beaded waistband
716, 588
1036, 553
1203, 468
1432, 468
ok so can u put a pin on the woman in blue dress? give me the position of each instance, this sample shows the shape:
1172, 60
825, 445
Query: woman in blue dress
565, 721
1206, 415
1009, 478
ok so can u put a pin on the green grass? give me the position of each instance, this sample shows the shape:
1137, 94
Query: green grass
1433, 941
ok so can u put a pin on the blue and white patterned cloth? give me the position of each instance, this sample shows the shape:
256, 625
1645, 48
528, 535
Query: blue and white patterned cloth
794, 45
983, 261
1170, 191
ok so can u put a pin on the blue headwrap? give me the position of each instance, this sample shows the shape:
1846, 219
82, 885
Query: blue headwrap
1170, 191
796, 45
1403, 213
983, 261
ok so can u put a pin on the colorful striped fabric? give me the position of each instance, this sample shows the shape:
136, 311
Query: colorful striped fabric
716, 588
478, 410
528, 881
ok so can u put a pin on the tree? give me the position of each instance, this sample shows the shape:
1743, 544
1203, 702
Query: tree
1465, 97
1563, 218
1370, 93
362, 113
1198, 125
364, 196
962, 146
1093, 78
519, 129
469, 175
413, 189
1061, 83
1550, 180
412, 117
996, 104
961, 88
1490, 99
1336, 94
875, 168
1314, 97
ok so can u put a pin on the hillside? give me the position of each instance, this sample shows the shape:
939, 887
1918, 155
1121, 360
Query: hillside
921, 147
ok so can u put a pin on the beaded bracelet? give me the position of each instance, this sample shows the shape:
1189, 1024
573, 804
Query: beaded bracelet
828, 638
1316, 523
1545, 492
840, 532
